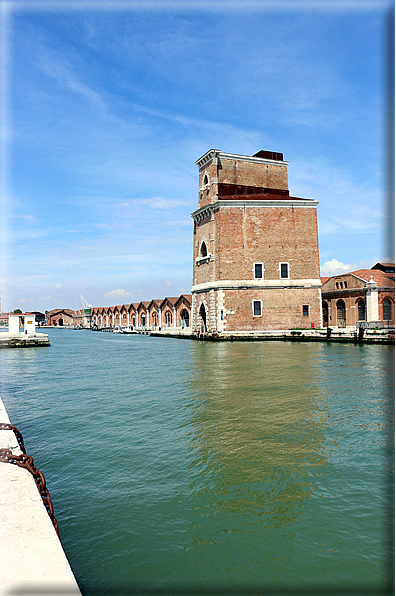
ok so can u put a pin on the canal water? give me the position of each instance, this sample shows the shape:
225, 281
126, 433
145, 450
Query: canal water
185, 467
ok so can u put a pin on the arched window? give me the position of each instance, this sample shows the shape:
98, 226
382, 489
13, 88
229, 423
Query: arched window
361, 310
204, 251
341, 314
387, 310
206, 180
184, 318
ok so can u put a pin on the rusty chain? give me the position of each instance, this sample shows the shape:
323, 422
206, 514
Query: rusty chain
26, 461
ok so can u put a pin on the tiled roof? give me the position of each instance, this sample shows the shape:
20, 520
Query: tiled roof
171, 299
187, 297
382, 279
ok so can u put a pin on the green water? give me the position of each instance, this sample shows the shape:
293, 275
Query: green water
180, 467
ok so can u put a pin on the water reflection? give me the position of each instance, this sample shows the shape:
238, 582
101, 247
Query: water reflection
258, 442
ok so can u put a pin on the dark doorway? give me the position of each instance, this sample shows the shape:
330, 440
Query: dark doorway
341, 314
361, 311
202, 314
325, 312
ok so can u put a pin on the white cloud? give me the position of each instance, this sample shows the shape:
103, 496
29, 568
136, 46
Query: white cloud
335, 267
169, 283
59, 70
60, 287
117, 293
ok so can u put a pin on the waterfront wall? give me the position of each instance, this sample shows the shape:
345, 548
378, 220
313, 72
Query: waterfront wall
34, 561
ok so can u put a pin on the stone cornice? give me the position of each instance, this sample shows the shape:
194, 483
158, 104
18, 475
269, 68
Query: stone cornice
252, 159
253, 284
213, 153
207, 158
289, 202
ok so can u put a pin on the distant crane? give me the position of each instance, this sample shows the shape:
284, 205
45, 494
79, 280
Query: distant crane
85, 304
87, 316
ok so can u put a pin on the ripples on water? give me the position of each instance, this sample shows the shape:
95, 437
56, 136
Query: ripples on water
191, 467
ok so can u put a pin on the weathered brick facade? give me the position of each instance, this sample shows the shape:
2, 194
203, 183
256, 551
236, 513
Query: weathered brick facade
256, 255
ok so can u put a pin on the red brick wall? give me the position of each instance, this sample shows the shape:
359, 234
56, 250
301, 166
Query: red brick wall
281, 309
269, 235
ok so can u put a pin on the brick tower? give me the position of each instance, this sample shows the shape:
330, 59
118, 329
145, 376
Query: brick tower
256, 254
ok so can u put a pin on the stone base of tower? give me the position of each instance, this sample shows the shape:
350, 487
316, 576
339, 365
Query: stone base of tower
229, 311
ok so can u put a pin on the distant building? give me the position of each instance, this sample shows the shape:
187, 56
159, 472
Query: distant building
59, 317
256, 254
363, 296
148, 315
3, 319
40, 317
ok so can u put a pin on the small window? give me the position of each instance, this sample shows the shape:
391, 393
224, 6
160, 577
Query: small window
257, 308
258, 271
204, 251
284, 270
222, 315
305, 310
337, 285
345, 284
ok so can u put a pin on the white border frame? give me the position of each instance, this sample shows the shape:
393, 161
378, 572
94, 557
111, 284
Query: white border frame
262, 270
280, 269
261, 309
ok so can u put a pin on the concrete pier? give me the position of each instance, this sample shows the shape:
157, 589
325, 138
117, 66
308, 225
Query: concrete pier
348, 335
33, 561
22, 340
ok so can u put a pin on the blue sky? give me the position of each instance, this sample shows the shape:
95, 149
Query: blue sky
107, 106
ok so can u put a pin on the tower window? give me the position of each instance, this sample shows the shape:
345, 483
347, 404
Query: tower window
284, 270
305, 310
257, 308
258, 271
204, 251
